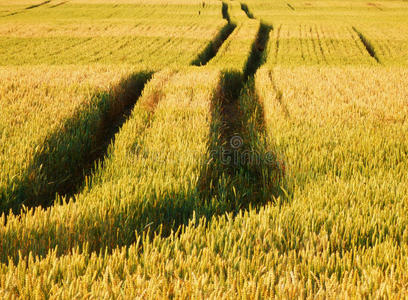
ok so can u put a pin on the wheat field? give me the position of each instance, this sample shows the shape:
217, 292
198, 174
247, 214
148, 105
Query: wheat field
203, 149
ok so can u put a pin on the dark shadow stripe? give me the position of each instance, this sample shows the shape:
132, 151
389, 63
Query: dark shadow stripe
38, 5
243, 171
225, 12
10, 14
211, 50
213, 46
258, 54
369, 47
245, 8
69, 154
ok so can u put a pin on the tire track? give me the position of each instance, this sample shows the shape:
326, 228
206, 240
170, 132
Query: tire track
243, 170
369, 47
38, 5
82, 143
25, 9
245, 8
213, 46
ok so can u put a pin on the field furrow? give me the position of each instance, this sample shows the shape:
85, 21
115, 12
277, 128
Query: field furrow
370, 49
234, 52
156, 198
148, 180
213, 46
103, 33
245, 171
388, 43
307, 44
38, 5
59, 136
344, 144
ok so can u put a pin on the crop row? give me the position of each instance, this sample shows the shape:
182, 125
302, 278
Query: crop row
94, 11
339, 228
134, 51
317, 45
350, 13
335, 33
389, 44
140, 33
150, 176
43, 142
53, 153
126, 34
